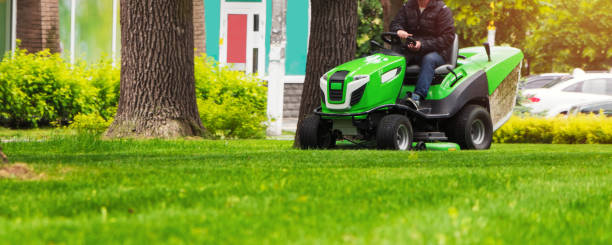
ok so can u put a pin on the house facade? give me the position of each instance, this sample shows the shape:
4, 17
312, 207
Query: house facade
237, 34
37, 30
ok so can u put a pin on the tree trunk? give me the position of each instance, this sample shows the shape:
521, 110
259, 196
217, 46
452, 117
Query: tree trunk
333, 31
199, 27
157, 96
390, 9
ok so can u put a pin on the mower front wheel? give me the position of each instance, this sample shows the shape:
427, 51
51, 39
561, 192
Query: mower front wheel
316, 134
394, 133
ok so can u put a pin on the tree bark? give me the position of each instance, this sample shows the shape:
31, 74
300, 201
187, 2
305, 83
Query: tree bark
157, 97
199, 27
333, 32
390, 9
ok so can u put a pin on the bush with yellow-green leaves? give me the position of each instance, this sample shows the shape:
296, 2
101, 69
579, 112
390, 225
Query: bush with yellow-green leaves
579, 129
232, 104
39, 89
42, 89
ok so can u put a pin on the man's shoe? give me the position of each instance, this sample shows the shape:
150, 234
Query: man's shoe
413, 103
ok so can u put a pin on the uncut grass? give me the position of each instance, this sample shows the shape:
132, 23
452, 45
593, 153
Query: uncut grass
264, 192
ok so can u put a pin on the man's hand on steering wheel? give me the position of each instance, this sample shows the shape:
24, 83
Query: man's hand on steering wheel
414, 47
403, 34
411, 46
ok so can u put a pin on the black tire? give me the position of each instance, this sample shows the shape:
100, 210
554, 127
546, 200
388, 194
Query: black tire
421, 146
471, 128
394, 132
315, 134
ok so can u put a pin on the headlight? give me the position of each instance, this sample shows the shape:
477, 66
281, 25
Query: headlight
324, 77
390, 75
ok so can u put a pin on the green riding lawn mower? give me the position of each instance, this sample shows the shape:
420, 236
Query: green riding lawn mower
364, 101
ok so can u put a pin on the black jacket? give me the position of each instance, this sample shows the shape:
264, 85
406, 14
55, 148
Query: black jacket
435, 27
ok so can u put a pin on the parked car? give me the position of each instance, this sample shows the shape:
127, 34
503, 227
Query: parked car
595, 106
605, 107
570, 90
538, 81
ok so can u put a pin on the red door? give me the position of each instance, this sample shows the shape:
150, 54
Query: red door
237, 40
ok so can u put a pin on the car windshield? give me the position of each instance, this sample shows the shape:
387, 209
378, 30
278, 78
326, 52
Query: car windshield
557, 81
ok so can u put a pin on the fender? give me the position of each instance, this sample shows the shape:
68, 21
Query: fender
474, 89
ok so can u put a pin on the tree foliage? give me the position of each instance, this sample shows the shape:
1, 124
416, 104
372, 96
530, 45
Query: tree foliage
572, 34
554, 35
370, 24
512, 19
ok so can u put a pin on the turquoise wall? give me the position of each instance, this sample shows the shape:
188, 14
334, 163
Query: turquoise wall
297, 37
268, 32
212, 9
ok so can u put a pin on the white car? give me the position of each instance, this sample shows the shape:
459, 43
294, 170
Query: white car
538, 81
594, 106
569, 91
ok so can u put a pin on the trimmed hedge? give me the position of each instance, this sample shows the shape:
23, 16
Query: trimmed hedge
231, 103
580, 129
42, 89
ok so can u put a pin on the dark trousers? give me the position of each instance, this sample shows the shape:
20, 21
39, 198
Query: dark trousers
428, 63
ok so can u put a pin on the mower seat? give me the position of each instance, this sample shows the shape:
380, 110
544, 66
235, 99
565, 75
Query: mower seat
443, 69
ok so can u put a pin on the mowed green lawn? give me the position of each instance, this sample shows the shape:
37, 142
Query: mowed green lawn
265, 192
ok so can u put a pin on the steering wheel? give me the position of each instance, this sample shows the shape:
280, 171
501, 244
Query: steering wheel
393, 39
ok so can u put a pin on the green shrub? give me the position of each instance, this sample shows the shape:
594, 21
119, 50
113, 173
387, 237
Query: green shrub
42, 88
580, 129
231, 104
105, 78
90, 124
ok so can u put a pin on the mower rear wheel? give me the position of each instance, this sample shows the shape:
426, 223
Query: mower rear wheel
471, 128
316, 134
394, 132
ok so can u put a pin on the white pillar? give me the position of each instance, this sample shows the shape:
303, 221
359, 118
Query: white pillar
276, 89
72, 30
114, 42
276, 71
14, 25
491, 37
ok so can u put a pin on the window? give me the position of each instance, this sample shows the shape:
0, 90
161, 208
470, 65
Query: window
595, 86
538, 83
574, 88
5, 26
93, 29
609, 86
605, 107
255, 60
255, 22
558, 81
